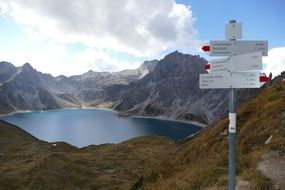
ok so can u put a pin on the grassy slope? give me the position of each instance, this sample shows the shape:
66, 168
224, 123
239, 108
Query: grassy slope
203, 161
28, 163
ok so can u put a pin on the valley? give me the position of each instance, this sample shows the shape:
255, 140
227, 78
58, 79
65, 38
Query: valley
153, 162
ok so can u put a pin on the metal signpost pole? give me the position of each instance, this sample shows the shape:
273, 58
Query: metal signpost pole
232, 138
232, 134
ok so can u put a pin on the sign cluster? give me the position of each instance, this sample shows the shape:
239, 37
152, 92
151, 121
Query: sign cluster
242, 65
239, 69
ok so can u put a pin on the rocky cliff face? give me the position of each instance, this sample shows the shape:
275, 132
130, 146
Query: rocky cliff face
172, 90
92, 86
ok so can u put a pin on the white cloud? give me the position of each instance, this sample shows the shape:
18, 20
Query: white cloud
4, 7
141, 28
275, 62
55, 59
102, 61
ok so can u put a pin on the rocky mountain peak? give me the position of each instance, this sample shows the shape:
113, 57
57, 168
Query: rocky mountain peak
148, 64
147, 67
61, 77
27, 67
4, 64
177, 58
90, 72
7, 70
176, 63
174, 55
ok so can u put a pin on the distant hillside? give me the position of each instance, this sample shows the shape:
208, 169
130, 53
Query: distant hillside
156, 162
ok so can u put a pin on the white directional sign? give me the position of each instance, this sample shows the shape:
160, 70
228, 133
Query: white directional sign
248, 61
243, 62
230, 48
230, 80
220, 65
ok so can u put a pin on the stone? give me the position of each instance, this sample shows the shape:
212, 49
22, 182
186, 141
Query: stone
268, 140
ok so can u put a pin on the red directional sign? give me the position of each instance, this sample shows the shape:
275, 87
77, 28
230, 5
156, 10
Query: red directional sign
206, 48
208, 67
263, 78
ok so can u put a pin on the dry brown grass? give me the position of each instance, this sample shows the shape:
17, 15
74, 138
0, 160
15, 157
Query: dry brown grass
27, 163
202, 162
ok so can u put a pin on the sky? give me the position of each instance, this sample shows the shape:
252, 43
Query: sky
69, 37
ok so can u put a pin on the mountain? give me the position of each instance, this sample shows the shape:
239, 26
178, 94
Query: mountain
172, 90
91, 85
199, 162
28, 89
7, 71
24, 88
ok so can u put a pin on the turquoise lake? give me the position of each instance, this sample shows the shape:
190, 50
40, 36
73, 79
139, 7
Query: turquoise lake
83, 127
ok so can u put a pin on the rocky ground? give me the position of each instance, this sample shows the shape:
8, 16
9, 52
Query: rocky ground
272, 166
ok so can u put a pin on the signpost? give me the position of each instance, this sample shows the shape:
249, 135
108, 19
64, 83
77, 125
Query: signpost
239, 70
246, 62
231, 80
230, 48
219, 65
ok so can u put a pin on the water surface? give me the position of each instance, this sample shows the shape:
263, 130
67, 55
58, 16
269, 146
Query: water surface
82, 127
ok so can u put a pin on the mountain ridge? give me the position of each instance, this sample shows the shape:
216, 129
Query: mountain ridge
166, 88
24, 88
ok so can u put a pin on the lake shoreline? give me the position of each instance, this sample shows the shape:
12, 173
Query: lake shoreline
59, 109
202, 125
119, 114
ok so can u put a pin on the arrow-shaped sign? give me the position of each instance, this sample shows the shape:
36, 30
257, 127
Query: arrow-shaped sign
232, 80
230, 48
206, 48
263, 79
243, 62
208, 67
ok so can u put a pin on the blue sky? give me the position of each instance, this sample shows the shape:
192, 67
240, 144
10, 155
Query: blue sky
59, 38
262, 20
